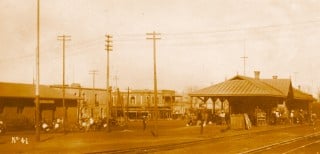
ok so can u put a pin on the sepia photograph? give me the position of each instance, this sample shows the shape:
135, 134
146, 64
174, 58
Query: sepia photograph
160, 76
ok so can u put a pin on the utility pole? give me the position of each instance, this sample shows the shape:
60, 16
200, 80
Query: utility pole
155, 36
244, 59
93, 73
64, 38
37, 99
127, 106
116, 78
118, 101
108, 48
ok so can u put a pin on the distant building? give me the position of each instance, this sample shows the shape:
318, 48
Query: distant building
92, 102
181, 106
132, 103
141, 102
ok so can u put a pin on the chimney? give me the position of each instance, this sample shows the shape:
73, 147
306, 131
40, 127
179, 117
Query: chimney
257, 75
275, 77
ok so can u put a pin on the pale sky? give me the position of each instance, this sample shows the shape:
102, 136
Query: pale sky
201, 41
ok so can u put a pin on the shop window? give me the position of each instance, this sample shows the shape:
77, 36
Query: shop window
133, 100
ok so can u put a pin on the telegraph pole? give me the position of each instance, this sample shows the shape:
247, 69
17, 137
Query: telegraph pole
108, 48
116, 78
118, 101
244, 58
64, 38
127, 106
93, 73
155, 36
37, 102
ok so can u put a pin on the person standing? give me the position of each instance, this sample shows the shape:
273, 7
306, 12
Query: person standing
144, 123
223, 118
291, 117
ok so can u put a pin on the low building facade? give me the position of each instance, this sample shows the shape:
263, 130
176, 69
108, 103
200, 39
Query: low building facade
131, 104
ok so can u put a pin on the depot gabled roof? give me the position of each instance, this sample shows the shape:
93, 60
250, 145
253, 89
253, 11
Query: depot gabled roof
240, 86
246, 86
20, 90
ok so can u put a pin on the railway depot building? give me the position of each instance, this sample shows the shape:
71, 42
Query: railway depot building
17, 105
246, 95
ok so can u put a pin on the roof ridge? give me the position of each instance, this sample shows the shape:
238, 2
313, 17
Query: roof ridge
272, 80
273, 87
254, 81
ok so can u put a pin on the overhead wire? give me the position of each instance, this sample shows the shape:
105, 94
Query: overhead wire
83, 46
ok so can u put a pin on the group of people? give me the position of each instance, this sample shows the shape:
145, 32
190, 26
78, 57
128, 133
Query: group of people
259, 117
298, 116
55, 125
203, 118
93, 123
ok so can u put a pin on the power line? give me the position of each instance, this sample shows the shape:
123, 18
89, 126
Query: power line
133, 37
246, 28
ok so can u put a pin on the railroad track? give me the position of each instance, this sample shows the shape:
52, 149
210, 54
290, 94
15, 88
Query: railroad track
286, 142
171, 146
